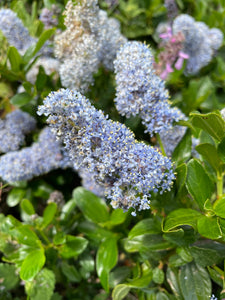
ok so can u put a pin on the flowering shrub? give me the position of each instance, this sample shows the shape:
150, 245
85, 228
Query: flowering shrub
112, 150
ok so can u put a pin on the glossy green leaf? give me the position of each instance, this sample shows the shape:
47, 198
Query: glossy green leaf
143, 279
41, 79
118, 216
70, 272
120, 291
158, 276
146, 226
15, 196
209, 152
212, 123
21, 99
118, 275
73, 246
59, 238
181, 174
219, 207
68, 209
182, 152
27, 207
181, 216
93, 207
221, 150
9, 278
33, 49
26, 236
146, 242
14, 58
209, 227
195, 282
216, 277
32, 264
106, 259
205, 257
94, 231
173, 280
42, 286
198, 183
49, 214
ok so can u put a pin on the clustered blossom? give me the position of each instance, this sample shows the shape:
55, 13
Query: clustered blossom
127, 170
172, 10
171, 55
139, 91
49, 17
14, 30
43, 156
200, 42
90, 39
13, 130
18, 35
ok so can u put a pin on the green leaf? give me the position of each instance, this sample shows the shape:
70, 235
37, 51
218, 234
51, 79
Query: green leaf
26, 236
118, 275
209, 227
147, 226
8, 276
182, 152
221, 150
21, 99
195, 282
216, 276
146, 242
33, 49
158, 276
27, 207
42, 286
198, 183
41, 79
209, 152
117, 217
212, 123
15, 196
49, 214
70, 272
205, 257
181, 175
106, 259
32, 264
173, 280
68, 209
94, 231
93, 207
219, 207
181, 216
14, 58
143, 279
120, 291
73, 246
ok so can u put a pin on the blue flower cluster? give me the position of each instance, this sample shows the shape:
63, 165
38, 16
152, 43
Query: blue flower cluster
139, 91
90, 39
127, 170
16, 34
43, 156
13, 130
200, 43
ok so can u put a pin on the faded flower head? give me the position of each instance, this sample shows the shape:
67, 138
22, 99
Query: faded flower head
49, 17
90, 39
13, 130
127, 170
139, 91
43, 156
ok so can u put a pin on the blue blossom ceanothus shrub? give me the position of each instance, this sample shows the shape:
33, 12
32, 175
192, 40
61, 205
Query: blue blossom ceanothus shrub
43, 156
200, 41
13, 130
18, 35
128, 170
90, 39
139, 91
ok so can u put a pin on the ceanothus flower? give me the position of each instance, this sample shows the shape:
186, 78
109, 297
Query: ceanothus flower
40, 158
139, 91
127, 170
200, 43
13, 130
18, 35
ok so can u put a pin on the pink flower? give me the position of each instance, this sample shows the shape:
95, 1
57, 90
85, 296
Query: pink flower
181, 57
166, 35
165, 73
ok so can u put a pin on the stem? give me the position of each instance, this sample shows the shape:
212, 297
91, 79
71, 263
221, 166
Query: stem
161, 144
219, 185
44, 237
